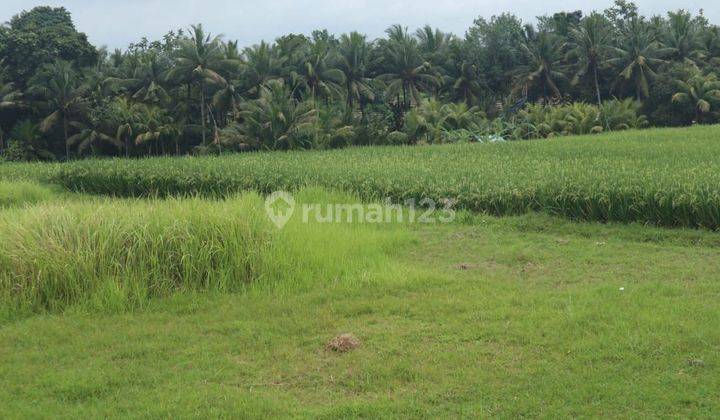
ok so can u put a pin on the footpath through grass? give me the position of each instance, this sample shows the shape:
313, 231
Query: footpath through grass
668, 177
527, 316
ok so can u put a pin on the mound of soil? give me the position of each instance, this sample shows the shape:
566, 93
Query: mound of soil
342, 343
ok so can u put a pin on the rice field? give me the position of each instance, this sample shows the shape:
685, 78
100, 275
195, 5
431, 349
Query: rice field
164, 289
667, 177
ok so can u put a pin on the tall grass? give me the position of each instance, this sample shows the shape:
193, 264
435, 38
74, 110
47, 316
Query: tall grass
667, 177
23, 192
118, 254
121, 253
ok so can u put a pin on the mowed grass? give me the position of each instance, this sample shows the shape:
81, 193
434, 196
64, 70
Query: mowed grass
511, 317
668, 177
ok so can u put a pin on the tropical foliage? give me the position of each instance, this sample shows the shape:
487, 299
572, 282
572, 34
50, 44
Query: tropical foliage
193, 92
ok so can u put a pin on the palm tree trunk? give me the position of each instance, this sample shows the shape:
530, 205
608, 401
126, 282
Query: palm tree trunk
189, 101
65, 133
349, 97
362, 109
404, 90
202, 111
597, 85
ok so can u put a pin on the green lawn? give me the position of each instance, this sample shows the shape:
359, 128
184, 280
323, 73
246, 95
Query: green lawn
513, 317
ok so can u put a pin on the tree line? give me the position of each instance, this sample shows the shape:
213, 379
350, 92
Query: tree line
192, 92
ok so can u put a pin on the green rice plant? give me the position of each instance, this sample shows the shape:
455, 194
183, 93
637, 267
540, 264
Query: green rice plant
668, 177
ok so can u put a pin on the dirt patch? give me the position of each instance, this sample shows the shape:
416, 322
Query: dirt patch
342, 343
484, 265
696, 362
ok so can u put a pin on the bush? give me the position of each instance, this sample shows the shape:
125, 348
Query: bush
537, 121
430, 121
26, 144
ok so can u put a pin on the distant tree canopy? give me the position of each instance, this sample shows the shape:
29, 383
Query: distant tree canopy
193, 92
40, 36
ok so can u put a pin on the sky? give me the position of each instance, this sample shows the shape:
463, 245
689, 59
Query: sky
116, 23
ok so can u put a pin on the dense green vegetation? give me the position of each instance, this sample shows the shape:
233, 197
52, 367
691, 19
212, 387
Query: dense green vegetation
162, 306
191, 92
158, 287
667, 177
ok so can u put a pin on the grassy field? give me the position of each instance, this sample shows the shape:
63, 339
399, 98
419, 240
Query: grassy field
200, 307
510, 317
13, 194
668, 177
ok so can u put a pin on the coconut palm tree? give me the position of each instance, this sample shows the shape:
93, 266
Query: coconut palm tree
543, 57
89, 136
699, 91
467, 85
154, 125
227, 97
147, 81
198, 60
590, 46
9, 98
407, 73
126, 115
637, 56
59, 90
262, 63
433, 43
682, 37
316, 75
462, 116
276, 120
353, 60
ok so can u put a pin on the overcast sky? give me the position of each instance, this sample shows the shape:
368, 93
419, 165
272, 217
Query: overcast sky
116, 23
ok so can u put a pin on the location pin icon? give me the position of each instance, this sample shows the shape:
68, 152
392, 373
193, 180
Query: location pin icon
280, 206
